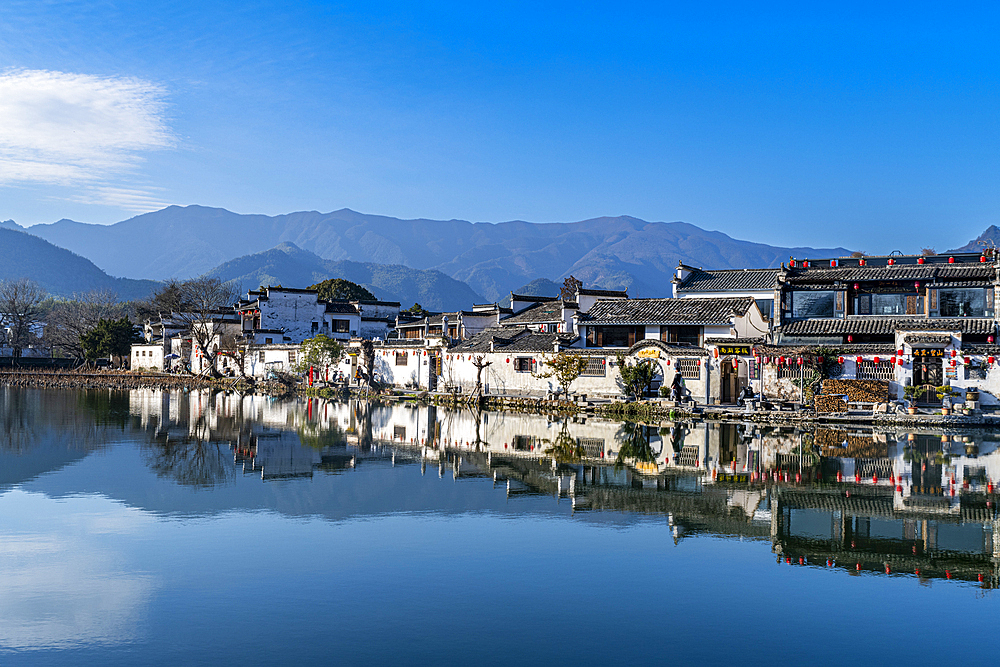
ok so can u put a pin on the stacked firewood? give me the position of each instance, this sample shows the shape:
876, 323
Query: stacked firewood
825, 403
859, 391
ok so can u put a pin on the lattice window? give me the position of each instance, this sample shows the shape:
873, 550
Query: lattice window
592, 447
869, 370
399, 432
524, 364
793, 372
401, 358
596, 367
689, 369
291, 357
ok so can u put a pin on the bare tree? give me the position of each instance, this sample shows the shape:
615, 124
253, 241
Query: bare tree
204, 301
569, 289
481, 364
68, 321
928, 251
20, 309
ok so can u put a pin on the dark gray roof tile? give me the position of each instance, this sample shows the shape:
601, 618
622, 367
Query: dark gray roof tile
668, 311
726, 280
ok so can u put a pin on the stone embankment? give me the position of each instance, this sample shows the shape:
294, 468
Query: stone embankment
63, 379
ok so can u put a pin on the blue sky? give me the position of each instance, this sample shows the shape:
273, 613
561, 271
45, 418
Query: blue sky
812, 124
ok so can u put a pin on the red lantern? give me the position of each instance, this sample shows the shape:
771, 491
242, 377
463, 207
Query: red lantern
833, 263
805, 263
861, 262
951, 260
991, 359
508, 360
916, 285
989, 339
899, 362
858, 360
850, 338
954, 353
793, 263
781, 360
965, 360
736, 363
899, 352
891, 261
699, 362
920, 260
876, 360
982, 259
819, 359
892, 360
856, 286
715, 352
952, 363
840, 360
800, 361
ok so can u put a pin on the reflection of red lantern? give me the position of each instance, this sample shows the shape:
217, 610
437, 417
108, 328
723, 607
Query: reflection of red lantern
953, 363
899, 362
965, 360
800, 361
781, 360
954, 353
850, 338
840, 360
899, 352
820, 359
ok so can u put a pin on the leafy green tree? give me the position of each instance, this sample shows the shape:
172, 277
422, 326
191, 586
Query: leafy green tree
564, 367
636, 376
109, 338
320, 351
338, 288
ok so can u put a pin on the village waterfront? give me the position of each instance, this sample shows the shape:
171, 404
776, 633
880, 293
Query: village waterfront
161, 526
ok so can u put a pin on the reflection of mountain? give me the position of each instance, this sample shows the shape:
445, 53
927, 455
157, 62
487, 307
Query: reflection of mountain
207, 454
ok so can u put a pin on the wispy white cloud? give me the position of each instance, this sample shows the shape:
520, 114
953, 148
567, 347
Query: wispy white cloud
81, 131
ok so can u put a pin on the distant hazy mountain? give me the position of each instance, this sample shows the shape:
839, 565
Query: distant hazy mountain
990, 239
493, 259
59, 271
290, 266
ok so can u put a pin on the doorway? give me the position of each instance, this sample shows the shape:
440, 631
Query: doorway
733, 380
928, 370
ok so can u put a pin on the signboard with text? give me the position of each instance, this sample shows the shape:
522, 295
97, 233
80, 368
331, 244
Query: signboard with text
743, 350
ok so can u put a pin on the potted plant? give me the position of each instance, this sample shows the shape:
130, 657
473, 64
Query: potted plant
944, 394
910, 393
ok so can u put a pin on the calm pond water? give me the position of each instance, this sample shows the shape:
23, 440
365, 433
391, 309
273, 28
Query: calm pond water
168, 528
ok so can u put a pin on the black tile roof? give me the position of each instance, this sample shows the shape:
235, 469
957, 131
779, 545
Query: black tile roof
672, 349
726, 280
547, 311
848, 349
886, 326
734, 341
602, 292
905, 272
667, 311
507, 340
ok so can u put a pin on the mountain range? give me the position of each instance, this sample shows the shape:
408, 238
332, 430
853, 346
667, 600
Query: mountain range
492, 259
59, 271
290, 266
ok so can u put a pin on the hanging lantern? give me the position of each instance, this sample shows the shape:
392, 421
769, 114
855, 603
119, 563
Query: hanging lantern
991, 359
899, 362
899, 352
819, 359
953, 363
861, 262
920, 260
508, 360
876, 360
892, 360
805, 264
856, 286
989, 339
850, 338
916, 285
858, 360
954, 353
781, 360
736, 363
982, 258
965, 360
699, 362
891, 261
800, 361
951, 260
793, 263
833, 263
840, 360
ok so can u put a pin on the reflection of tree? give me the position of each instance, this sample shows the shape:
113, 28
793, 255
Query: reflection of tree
107, 407
564, 447
192, 462
634, 446
319, 437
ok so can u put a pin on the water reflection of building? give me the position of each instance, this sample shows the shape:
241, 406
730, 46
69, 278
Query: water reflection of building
920, 503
